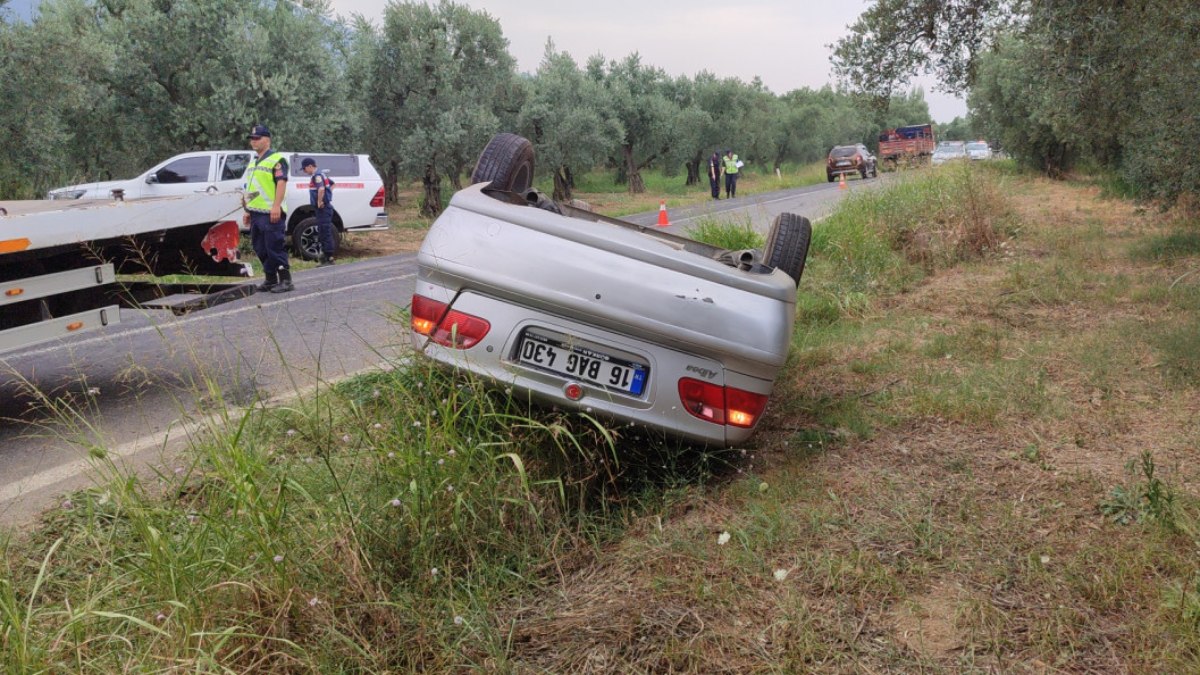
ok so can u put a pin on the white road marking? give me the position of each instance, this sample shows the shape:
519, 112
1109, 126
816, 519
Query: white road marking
160, 439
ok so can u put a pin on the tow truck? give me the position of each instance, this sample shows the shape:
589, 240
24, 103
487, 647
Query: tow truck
60, 261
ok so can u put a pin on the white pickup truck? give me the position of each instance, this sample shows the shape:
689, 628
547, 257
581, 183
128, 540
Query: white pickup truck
56, 282
358, 194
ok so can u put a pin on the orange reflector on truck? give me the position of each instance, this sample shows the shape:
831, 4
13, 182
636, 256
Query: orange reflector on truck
13, 245
75, 325
14, 292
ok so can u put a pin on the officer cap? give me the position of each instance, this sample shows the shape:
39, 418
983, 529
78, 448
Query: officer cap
307, 162
259, 130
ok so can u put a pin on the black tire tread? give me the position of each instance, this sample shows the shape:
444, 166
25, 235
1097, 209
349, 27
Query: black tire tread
787, 244
506, 163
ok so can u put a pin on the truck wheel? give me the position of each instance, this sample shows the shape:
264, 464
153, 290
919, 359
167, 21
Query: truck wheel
506, 163
306, 239
787, 244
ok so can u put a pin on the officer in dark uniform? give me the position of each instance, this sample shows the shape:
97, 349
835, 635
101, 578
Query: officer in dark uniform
320, 196
714, 173
266, 214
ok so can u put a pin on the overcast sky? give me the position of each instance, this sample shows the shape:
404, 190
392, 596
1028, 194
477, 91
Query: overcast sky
782, 41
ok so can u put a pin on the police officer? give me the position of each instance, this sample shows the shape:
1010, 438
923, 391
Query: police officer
320, 196
731, 174
266, 183
714, 174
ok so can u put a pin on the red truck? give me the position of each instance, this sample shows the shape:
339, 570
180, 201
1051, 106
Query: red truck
906, 145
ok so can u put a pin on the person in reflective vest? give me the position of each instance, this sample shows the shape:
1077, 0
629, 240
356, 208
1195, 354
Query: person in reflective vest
320, 197
731, 174
266, 183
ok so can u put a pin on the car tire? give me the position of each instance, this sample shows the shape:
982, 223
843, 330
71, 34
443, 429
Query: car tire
306, 239
864, 173
787, 244
829, 176
506, 163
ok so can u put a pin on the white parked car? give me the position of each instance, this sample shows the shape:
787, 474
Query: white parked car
979, 150
358, 194
948, 151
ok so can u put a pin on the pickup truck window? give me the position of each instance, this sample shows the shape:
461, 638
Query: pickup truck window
186, 170
234, 166
334, 165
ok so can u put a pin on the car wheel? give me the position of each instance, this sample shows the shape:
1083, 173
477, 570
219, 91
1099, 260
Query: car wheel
306, 239
864, 172
787, 244
829, 176
506, 163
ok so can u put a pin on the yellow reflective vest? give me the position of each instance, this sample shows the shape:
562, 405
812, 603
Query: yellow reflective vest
731, 164
260, 178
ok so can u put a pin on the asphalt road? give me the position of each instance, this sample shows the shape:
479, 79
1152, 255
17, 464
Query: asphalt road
138, 388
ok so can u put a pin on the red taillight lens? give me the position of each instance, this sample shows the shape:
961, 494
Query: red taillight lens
377, 200
721, 405
452, 328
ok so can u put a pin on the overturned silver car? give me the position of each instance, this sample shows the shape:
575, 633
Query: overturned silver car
585, 311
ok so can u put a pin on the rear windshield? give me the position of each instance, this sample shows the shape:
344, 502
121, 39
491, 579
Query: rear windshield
843, 151
335, 165
977, 146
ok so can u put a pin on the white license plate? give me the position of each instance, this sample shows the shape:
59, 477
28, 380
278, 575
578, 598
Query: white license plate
582, 363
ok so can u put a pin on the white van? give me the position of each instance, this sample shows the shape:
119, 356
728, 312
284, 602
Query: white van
358, 194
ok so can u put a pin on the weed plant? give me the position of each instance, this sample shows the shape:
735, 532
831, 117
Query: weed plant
371, 526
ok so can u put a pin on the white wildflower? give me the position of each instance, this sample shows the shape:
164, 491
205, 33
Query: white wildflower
278, 558
782, 574
395, 502
346, 438
723, 539
433, 572
314, 601
458, 620
291, 432
377, 425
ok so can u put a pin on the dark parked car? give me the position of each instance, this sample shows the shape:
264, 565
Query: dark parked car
844, 159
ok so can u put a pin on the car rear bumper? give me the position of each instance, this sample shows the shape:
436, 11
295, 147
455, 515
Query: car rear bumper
380, 224
496, 358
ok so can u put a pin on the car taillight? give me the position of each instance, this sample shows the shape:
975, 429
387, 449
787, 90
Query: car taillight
377, 200
721, 405
445, 326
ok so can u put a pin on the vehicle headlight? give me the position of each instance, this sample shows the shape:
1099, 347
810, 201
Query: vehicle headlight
65, 194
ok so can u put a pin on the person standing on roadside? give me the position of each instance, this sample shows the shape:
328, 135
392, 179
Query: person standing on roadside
320, 196
731, 173
266, 183
714, 174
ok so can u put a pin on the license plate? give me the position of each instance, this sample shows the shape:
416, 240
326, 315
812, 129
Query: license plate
843, 163
582, 363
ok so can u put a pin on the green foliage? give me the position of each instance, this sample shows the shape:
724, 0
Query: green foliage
1145, 497
725, 234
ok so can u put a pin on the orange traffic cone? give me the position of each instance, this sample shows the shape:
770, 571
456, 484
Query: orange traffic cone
662, 214
842, 182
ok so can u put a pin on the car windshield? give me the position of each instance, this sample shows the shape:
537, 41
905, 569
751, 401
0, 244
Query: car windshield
977, 146
843, 151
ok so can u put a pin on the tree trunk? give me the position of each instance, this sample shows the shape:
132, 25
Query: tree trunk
562, 188
456, 179
693, 172
633, 174
431, 205
570, 177
391, 184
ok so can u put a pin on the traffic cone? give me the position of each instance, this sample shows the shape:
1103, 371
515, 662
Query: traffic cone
662, 214
842, 182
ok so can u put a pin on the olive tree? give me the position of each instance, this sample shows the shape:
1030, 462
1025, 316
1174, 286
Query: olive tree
567, 120
636, 95
435, 74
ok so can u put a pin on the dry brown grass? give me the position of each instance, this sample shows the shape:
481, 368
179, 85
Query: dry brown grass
964, 533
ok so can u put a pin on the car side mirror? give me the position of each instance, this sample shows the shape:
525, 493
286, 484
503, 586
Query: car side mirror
152, 178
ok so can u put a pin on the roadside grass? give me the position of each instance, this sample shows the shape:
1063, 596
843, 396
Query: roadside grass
979, 458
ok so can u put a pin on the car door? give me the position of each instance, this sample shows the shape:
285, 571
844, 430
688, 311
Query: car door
179, 176
231, 170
